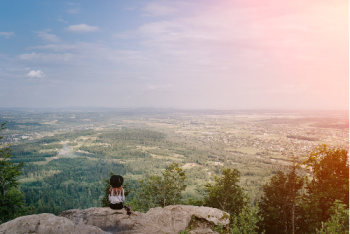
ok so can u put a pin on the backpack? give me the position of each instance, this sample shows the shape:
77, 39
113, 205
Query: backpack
116, 181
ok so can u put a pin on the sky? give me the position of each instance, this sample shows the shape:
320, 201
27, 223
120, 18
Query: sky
191, 54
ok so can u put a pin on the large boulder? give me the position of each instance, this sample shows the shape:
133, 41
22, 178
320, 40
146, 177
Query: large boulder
46, 224
170, 219
104, 218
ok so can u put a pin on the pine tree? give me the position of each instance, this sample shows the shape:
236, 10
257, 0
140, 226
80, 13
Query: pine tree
226, 194
246, 222
279, 206
11, 198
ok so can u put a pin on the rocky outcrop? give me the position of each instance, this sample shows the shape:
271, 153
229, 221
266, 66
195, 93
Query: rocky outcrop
105, 218
170, 219
46, 224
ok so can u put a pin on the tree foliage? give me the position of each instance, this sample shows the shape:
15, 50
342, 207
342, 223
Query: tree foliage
338, 222
161, 190
226, 194
246, 222
67, 183
329, 182
11, 198
105, 200
278, 203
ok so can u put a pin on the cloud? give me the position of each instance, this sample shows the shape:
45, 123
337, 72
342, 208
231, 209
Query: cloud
46, 58
73, 11
156, 9
62, 20
156, 87
7, 34
125, 35
36, 74
54, 47
48, 37
81, 28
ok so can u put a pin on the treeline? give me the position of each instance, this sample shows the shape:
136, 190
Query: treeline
39, 150
16, 125
125, 143
130, 135
68, 183
32, 152
144, 152
303, 138
291, 203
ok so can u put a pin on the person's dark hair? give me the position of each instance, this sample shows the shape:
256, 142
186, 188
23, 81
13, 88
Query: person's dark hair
116, 181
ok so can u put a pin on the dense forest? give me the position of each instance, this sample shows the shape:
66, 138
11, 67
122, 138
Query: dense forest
134, 153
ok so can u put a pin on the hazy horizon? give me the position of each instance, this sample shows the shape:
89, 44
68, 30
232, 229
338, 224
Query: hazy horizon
165, 109
200, 55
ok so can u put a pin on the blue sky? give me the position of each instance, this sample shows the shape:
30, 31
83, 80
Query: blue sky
227, 54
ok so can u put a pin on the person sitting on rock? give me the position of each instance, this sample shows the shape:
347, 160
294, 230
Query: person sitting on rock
116, 192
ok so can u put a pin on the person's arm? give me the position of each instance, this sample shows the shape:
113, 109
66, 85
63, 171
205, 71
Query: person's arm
123, 197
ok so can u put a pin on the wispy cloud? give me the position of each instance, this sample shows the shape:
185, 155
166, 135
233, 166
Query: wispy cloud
157, 9
158, 87
7, 34
48, 37
81, 28
36, 74
75, 10
220, 54
55, 47
62, 20
46, 58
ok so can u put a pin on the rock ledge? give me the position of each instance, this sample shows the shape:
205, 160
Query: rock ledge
170, 219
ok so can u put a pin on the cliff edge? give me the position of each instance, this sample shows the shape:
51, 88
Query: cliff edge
171, 219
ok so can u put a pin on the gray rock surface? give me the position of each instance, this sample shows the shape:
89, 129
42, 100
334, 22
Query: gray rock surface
104, 218
46, 224
171, 219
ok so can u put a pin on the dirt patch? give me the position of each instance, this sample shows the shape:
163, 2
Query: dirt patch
189, 165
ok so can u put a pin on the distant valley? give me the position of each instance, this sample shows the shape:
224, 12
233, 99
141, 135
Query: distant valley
67, 154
